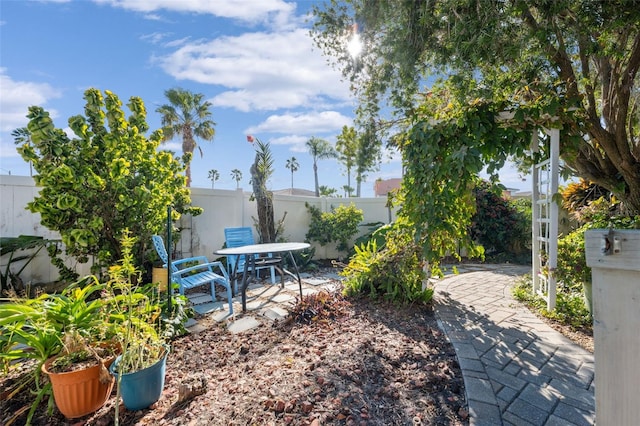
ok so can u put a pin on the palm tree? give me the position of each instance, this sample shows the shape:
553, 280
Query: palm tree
189, 116
325, 191
347, 148
214, 175
22, 136
319, 149
292, 164
237, 176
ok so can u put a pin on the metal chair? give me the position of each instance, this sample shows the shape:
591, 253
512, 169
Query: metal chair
194, 272
238, 237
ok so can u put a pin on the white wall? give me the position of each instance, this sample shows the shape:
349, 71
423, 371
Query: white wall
201, 235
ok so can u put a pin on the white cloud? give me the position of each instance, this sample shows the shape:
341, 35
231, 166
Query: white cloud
314, 123
263, 71
18, 96
243, 10
155, 38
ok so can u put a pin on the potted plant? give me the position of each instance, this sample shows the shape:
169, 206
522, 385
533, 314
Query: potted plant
79, 377
137, 318
54, 326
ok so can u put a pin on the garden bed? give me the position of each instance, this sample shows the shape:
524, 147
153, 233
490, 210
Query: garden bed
365, 363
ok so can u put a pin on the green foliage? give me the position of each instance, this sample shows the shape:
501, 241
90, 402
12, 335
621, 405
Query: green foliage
576, 196
347, 147
9, 247
442, 160
339, 225
136, 314
33, 329
261, 171
497, 224
106, 178
533, 58
570, 305
319, 149
187, 115
393, 272
376, 231
572, 269
121, 311
304, 260
368, 154
325, 191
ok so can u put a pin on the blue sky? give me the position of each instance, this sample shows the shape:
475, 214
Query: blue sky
253, 59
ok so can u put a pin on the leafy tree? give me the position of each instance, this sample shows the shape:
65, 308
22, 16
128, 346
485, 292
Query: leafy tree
347, 148
319, 149
22, 136
237, 176
214, 175
563, 63
188, 116
107, 178
292, 164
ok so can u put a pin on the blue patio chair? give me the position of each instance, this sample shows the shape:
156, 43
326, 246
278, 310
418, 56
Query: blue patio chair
238, 237
195, 271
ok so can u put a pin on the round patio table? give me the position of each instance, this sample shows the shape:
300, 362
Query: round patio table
261, 249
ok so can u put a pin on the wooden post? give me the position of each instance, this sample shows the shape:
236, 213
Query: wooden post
614, 258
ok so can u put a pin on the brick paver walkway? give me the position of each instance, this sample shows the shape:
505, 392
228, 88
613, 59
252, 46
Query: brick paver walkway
516, 369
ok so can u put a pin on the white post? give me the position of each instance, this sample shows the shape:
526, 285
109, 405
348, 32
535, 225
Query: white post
614, 258
535, 213
554, 155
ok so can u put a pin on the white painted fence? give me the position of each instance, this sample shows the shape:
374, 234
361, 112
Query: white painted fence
201, 235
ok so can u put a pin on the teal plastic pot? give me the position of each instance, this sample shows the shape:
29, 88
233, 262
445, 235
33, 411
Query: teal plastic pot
141, 388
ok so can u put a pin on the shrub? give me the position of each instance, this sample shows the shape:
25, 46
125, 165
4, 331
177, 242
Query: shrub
572, 267
499, 225
570, 307
393, 272
339, 225
107, 177
572, 271
578, 195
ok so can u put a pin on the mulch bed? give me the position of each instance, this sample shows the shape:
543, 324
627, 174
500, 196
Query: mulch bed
358, 362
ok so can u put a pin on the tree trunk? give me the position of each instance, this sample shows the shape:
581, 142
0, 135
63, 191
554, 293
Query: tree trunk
315, 175
264, 204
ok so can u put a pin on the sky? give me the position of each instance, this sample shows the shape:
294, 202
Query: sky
254, 60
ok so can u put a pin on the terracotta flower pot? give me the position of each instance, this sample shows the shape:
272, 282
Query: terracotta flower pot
78, 393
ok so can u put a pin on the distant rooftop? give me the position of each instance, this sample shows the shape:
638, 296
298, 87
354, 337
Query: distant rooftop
382, 187
295, 191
